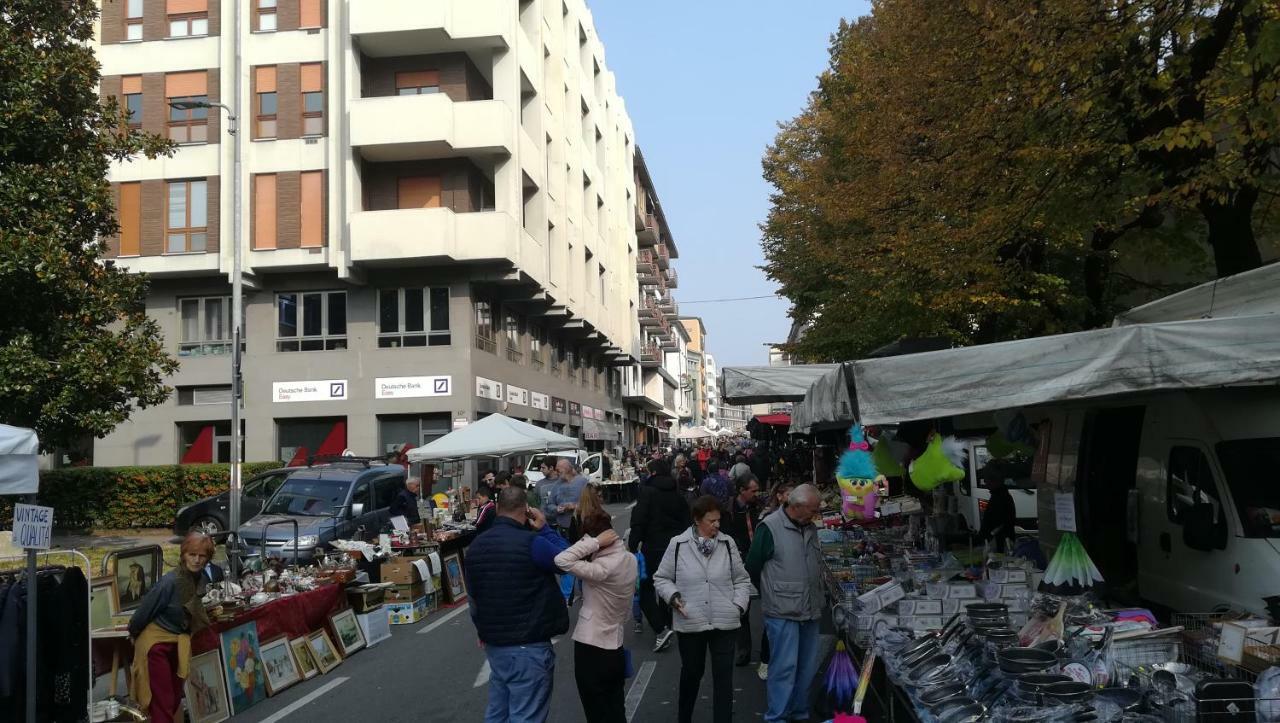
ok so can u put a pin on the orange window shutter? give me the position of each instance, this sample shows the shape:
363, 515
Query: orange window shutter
264, 211
312, 77
130, 213
264, 79
417, 79
182, 7
419, 192
310, 14
182, 85
312, 211
131, 84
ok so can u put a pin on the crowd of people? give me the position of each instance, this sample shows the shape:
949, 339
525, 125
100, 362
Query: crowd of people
703, 546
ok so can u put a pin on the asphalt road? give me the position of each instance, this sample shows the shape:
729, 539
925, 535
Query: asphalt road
435, 671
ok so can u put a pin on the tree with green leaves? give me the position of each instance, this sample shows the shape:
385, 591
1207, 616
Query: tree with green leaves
988, 170
77, 351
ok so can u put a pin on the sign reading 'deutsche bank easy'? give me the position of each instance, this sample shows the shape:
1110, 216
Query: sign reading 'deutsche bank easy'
324, 390
32, 526
405, 387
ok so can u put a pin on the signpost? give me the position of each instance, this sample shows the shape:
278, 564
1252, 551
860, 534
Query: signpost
32, 530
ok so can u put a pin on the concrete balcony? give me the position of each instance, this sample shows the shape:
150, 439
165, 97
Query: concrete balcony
663, 256
391, 238
648, 236
667, 304
646, 270
386, 28
673, 279
171, 265
651, 356
415, 127
282, 260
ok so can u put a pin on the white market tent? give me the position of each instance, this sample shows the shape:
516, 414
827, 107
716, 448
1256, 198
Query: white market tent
829, 402
1118, 360
494, 436
1247, 294
695, 433
19, 471
762, 385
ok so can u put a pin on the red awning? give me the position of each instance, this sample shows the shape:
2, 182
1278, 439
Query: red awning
776, 420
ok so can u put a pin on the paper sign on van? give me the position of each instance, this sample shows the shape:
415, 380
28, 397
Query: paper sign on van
1064, 511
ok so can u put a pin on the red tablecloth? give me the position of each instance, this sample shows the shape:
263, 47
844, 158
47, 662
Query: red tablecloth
294, 616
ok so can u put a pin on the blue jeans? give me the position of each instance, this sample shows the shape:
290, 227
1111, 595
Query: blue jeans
793, 661
520, 683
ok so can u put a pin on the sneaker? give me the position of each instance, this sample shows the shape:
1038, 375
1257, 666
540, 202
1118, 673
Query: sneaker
762, 672
639, 628
664, 640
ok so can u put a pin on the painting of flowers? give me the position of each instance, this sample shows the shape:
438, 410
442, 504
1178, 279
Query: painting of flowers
246, 679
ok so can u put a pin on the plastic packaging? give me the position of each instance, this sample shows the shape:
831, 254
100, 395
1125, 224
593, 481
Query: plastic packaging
1267, 693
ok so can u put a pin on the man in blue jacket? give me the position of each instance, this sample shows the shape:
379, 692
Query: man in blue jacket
517, 608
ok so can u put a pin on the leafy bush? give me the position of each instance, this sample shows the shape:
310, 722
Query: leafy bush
124, 497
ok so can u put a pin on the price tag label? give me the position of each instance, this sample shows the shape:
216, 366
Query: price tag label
1064, 511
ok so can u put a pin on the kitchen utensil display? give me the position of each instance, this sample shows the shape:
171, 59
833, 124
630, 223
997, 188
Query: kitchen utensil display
1029, 685
928, 667
1014, 661
971, 713
1067, 692
1129, 699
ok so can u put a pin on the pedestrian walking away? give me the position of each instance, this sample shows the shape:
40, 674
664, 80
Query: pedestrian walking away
786, 555
660, 514
516, 608
740, 524
703, 579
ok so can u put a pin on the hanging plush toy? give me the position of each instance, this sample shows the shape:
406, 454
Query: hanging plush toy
857, 477
932, 468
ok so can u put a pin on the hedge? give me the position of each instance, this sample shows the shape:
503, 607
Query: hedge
125, 497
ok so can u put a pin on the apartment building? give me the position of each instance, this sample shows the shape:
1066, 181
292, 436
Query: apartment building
711, 383
697, 333
439, 220
651, 388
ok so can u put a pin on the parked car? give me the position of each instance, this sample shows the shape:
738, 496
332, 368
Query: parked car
328, 502
973, 496
589, 462
212, 515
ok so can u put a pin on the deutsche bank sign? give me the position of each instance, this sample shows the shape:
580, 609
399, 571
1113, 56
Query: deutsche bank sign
404, 387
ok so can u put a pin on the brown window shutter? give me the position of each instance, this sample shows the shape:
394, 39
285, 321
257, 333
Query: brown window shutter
313, 209
417, 79
214, 214
130, 217
264, 79
182, 7
418, 192
311, 14
312, 77
182, 85
264, 211
130, 84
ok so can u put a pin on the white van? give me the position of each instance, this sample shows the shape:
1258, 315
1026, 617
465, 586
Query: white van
1177, 491
588, 462
973, 496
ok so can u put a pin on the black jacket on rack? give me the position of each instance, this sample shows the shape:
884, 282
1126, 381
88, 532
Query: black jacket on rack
62, 664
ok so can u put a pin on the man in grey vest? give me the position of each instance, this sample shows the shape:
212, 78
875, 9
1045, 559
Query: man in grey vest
786, 554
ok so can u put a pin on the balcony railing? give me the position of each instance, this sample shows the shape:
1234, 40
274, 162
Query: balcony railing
664, 256
673, 280
650, 354
649, 235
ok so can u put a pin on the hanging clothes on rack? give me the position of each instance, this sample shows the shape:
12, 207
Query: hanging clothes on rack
62, 674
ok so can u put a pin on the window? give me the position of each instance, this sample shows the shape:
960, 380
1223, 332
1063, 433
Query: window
418, 82
1190, 482
484, 327
264, 211
206, 442
557, 356
313, 209
206, 326
130, 214
312, 99
188, 125
311, 14
264, 101
512, 325
187, 18
311, 321
418, 192
186, 227
413, 317
571, 363
535, 346
265, 17
133, 20
601, 285
131, 89
1248, 465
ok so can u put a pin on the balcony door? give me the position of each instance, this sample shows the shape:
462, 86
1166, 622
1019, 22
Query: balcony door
418, 192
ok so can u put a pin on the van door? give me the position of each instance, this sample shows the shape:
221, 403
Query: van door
591, 468
1108, 469
362, 512
1182, 567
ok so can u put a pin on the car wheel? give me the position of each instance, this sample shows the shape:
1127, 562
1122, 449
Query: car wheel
207, 525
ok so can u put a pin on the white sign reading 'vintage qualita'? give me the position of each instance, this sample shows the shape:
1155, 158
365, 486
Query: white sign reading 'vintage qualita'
489, 389
32, 526
324, 390
405, 387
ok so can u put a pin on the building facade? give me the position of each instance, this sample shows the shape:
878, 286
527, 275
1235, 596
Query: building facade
711, 377
697, 333
439, 220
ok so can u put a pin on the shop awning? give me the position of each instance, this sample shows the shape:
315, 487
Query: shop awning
775, 420
1247, 294
1086, 365
763, 385
494, 436
829, 404
19, 470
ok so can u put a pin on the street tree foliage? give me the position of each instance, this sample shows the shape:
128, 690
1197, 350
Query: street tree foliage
996, 169
77, 352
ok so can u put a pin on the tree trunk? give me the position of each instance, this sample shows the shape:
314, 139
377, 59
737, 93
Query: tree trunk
1231, 232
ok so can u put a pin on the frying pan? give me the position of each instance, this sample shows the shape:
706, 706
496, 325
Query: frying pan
934, 696
1014, 661
1067, 692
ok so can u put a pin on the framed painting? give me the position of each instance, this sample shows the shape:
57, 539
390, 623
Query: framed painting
302, 656
136, 572
282, 669
207, 689
323, 652
347, 632
246, 679
454, 581
102, 603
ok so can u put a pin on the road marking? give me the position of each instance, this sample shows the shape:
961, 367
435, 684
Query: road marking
482, 678
293, 707
447, 617
637, 688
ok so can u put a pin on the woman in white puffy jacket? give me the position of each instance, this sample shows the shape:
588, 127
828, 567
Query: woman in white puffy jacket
702, 578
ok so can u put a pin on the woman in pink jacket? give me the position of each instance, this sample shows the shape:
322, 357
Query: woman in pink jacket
608, 574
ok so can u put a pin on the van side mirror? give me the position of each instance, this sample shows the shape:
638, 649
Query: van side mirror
357, 509
1199, 529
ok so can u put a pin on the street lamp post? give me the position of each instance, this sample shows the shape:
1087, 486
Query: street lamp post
237, 313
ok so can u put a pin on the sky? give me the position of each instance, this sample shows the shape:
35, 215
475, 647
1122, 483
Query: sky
706, 82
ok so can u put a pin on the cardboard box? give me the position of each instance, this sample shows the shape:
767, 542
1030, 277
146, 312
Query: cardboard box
364, 598
407, 613
406, 593
401, 571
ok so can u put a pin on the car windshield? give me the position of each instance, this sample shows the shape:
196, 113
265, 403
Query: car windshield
1017, 471
309, 497
1248, 465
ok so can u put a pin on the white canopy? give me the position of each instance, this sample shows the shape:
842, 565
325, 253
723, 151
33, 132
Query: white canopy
1119, 360
1250, 293
828, 404
19, 471
494, 436
695, 433
762, 385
